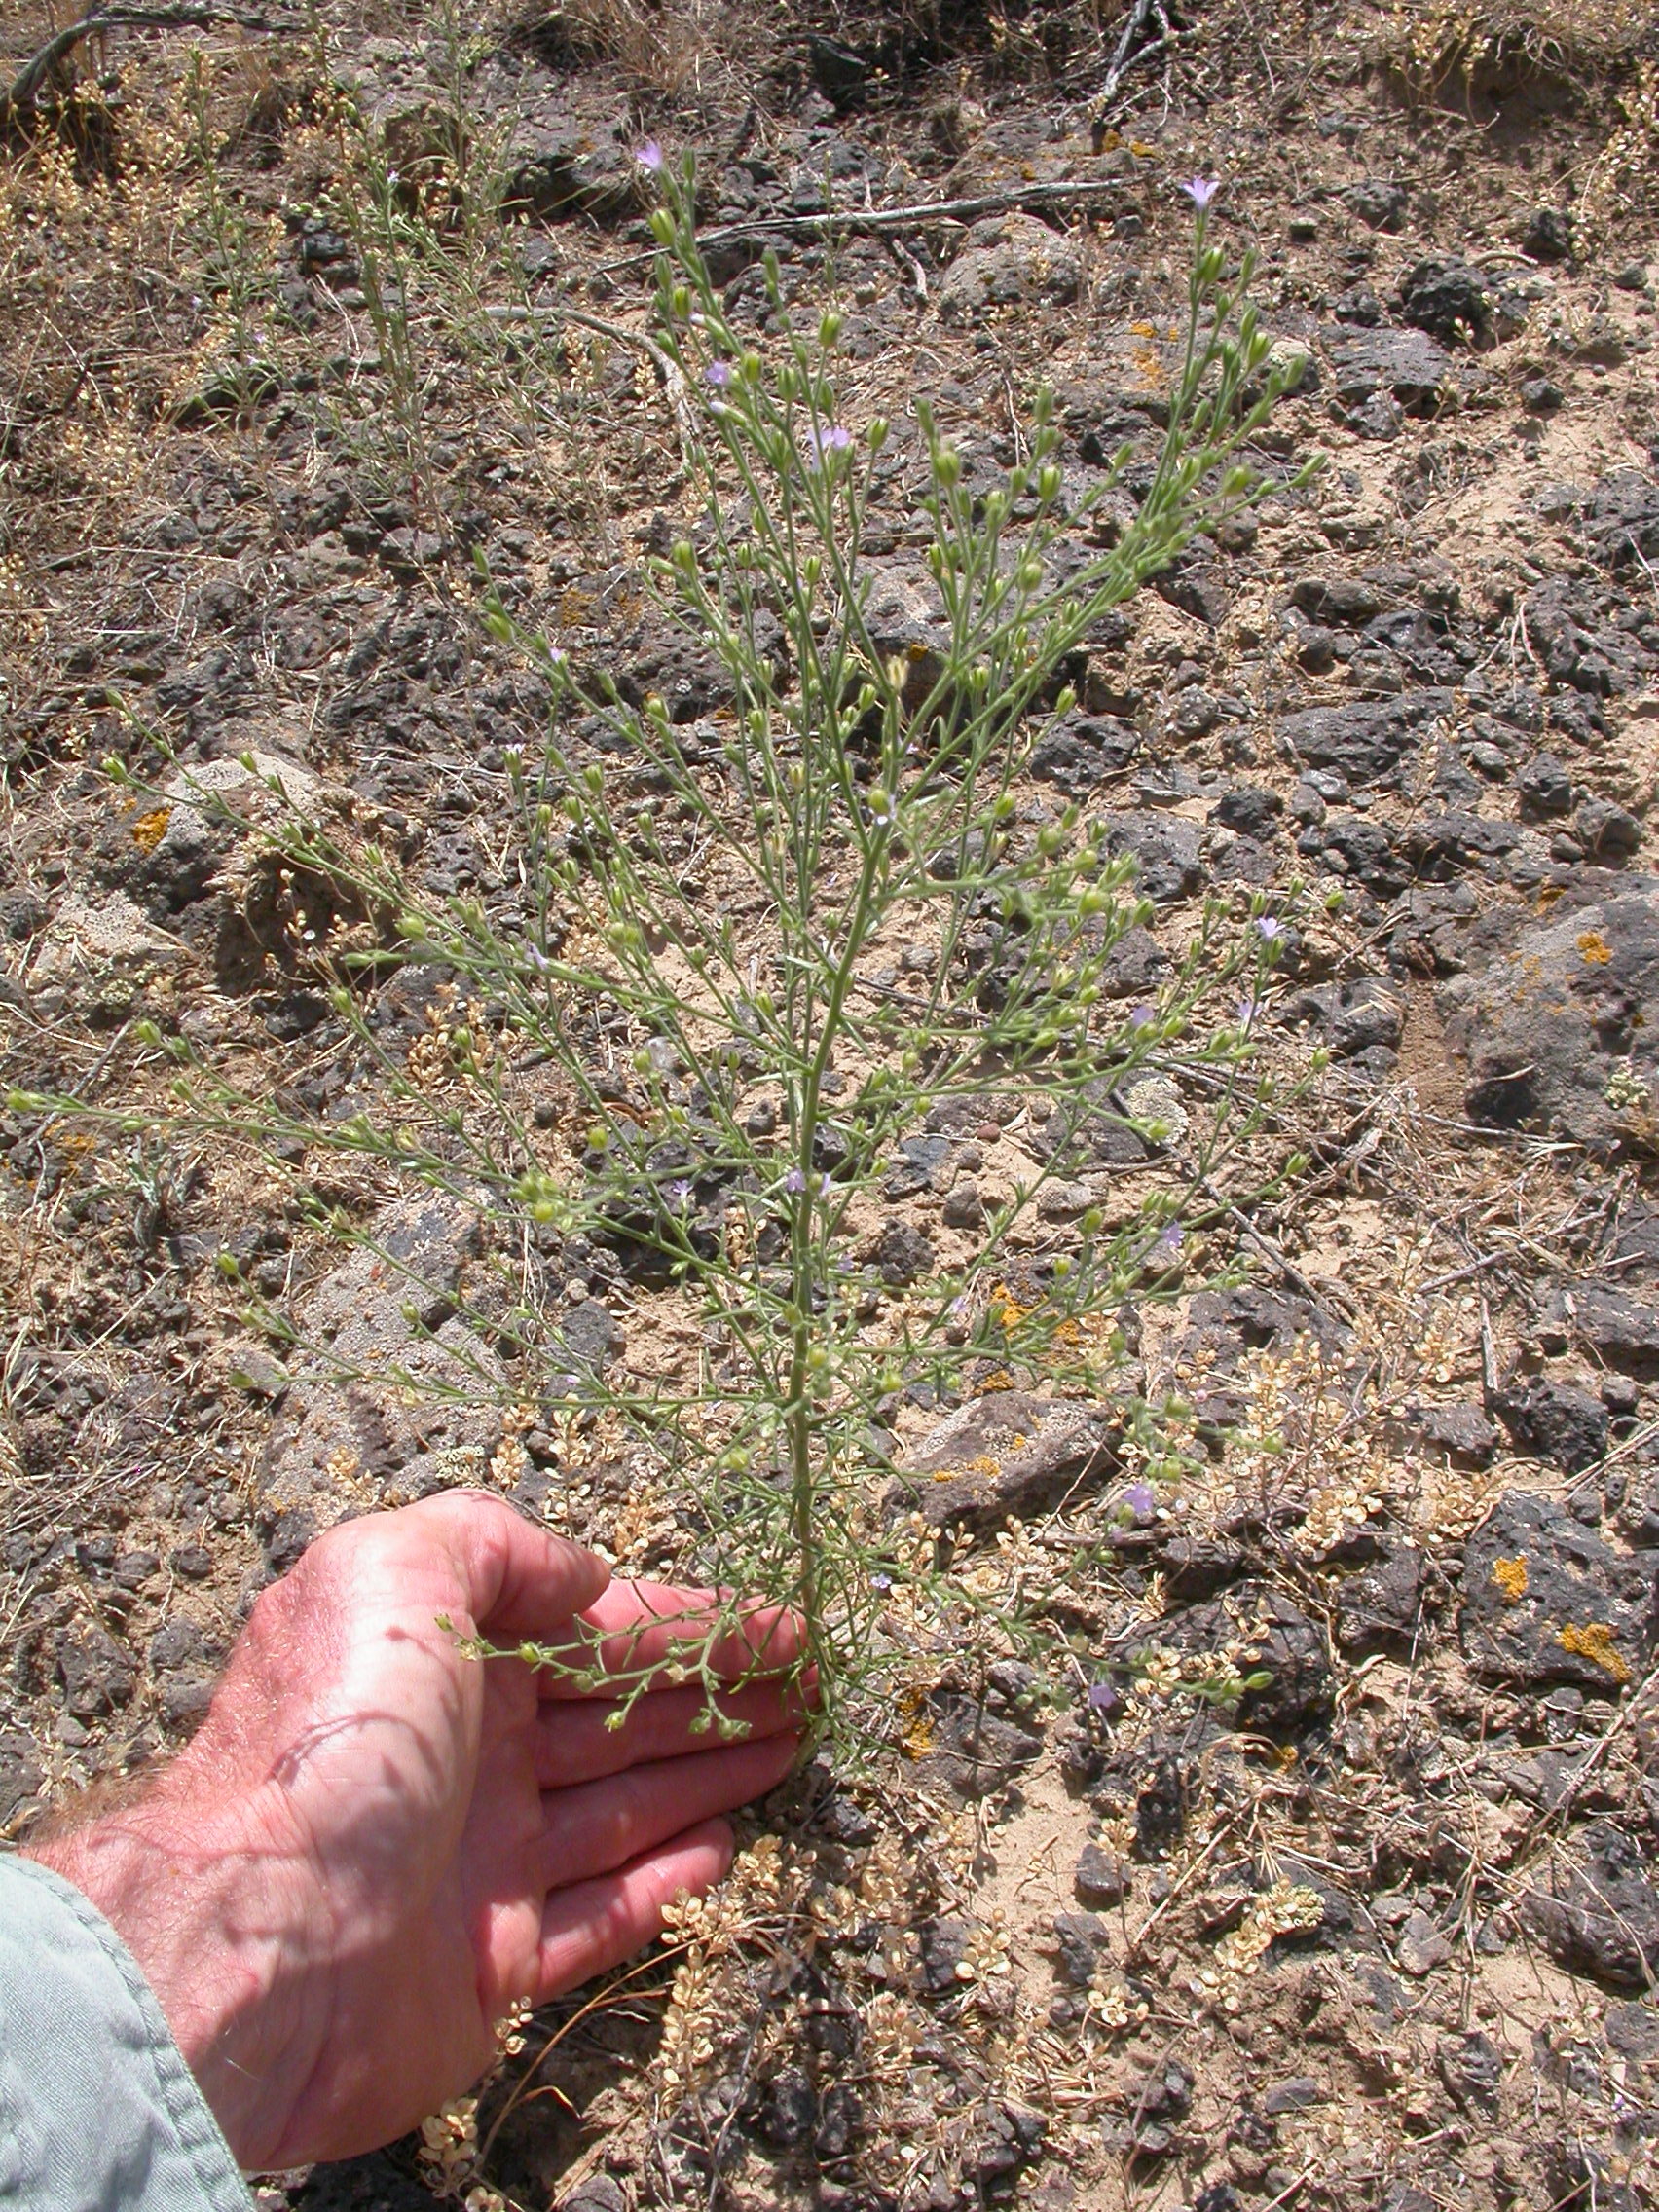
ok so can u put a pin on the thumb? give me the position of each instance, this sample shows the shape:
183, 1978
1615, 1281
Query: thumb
520, 1582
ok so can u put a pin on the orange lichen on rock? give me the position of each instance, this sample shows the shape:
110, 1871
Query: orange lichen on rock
1594, 947
1594, 1641
1510, 1575
150, 829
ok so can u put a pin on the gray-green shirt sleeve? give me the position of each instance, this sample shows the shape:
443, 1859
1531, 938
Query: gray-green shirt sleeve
98, 2112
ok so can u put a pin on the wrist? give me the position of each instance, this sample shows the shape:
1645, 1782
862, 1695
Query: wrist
214, 1903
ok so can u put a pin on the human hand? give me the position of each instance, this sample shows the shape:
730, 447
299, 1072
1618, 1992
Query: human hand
376, 1844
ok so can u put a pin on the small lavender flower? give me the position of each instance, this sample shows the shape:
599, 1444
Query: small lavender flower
1270, 930
833, 437
794, 1182
1168, 1243
680, 1195
718, 374
1247, 1009
1200, 190
1142, 1017
1140, 1500
881, 1581
1102, 1697
649, 156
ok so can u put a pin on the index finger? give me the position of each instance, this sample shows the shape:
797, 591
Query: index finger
637, 1628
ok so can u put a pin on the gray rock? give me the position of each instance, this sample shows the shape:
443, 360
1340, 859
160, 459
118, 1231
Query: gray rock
406, 1422
971, 1752
963, 1208
97, 1676
1405, 364
1547, 1021
1100, 1877
1026, 265
1367, 741
918, 1164
1544, 787
1623, 524
1622, 1331
1601, 1918
1471, 2066
1295, 2095
1420, 1946
1081, 1942
1378, 1608
903, 612
1564, 1428
1354, 1016
1633, 2030
1269, 1635
1082, 751
21, 1771
902, 1254
1461, 1431
1546, 1600
1379, 203
1168, 852
1606, 831
1448, 299
1007, 1456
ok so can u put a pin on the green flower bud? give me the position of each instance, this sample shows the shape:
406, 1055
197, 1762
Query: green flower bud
947, 468
662, 226
1066, 700
829, 328
1047, 483
877, 432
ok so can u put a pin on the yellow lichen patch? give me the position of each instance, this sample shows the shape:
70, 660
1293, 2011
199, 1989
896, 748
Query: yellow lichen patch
150, 829
1594, 947
1510, 1575
1594, 1641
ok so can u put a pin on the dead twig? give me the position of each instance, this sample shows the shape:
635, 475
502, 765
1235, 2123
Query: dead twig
1133, 47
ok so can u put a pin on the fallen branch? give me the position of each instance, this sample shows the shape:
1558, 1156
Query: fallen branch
22, 94
673, 381
882, 222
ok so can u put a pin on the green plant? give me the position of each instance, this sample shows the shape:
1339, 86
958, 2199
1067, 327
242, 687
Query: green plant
721, 920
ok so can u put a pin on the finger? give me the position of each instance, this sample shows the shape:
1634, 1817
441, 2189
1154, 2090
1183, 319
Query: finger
521, 1582
600, 1825
642, 1625
594, 1925
574, 1743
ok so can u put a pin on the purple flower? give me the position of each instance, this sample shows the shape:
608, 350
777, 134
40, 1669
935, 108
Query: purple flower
794, 1182
1102, 1697
718, 374
1200, 190
881, 1581
649, 156
833, 437
1140, 1500
680, 1195
1247, 1010
1168, 1245
1142, 1017
1270, 930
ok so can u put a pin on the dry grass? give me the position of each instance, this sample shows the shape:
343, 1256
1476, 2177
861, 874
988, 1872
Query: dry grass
1462, 56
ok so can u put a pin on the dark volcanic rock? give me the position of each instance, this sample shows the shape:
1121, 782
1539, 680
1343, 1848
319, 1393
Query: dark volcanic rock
1082, 751
1082, 1939
1463, 1432
970, 1752
1448, 299
1405, 364
1601, 1918
1006, 1455
1622, 1331
1100, 1877
1376, 1608
1564, 1428
1168, 852
1015, 262
1574, 998
1545, 1600
1623, 525
1268, 1635
1365, 742
1353, 1016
